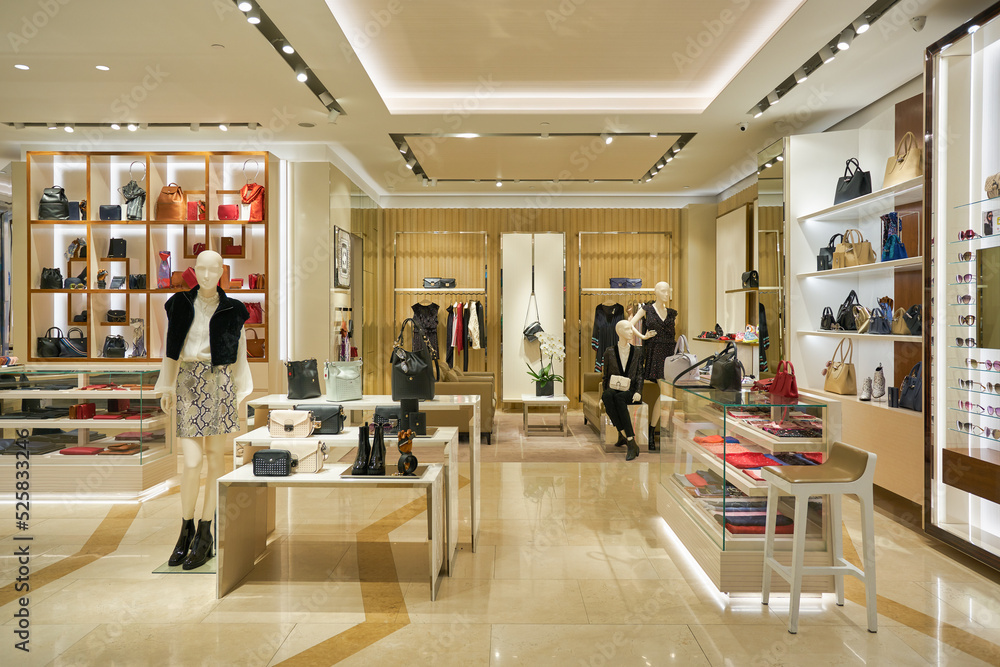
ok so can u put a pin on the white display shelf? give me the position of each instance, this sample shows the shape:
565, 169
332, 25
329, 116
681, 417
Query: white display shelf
906, 192
92, 424
435, 290
732, 426
727, 471
78, 394
910, 263
622, 290
883, 404
855, 335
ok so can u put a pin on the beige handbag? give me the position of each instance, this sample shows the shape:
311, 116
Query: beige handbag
840, 376
899, 327
862, 318
992, 186
291, 423
619, 383
311, 456
853, 250
906, 164
171, 203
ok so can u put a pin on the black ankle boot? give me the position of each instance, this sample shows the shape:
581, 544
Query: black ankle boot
364, 452
633, 449
621, 440
201, 548
376, 464
183, 543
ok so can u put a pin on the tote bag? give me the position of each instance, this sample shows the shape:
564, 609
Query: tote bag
906, 164
840, 375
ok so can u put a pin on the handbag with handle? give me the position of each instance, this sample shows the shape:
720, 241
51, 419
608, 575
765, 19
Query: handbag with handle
54, 204
412, 372
311, 456
911, 391
862, 318
625, 283
274, 463
197, 210
439, 283
329, 418
840, 375
171, 204
114, 347
853, 250
750, 280
784, 388
51, 279
303, 379
255, 345
532, 324
229, 212
291, 423
906, 164
881, 321
110, 211
992, 186
853, 184
679, 362
826, 321
727, 370
343, 380
50, 345
914, 319
619, 383
117, 248
824, 260
899, 326
845, 314
256, 312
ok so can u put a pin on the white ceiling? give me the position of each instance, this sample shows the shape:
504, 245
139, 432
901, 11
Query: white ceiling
165, 69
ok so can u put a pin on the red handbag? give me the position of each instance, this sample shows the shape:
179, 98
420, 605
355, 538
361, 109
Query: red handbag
199, 248
256, 312
784, 388
190, 278
197, 210
229, 212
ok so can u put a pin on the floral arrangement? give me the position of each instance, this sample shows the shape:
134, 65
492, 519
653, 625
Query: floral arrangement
556, 351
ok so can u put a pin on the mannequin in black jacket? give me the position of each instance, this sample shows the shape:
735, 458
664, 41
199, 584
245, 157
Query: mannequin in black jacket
623, 363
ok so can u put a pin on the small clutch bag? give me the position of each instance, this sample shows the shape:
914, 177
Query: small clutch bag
229, 212
619, 383
273, 463
290, 423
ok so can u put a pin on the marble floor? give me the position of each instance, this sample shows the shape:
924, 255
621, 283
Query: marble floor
574, 567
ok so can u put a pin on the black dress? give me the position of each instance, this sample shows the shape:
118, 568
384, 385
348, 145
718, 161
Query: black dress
426, 317
605, 319
660, 346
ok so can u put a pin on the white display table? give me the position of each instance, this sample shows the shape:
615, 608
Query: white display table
561, 402
242, 525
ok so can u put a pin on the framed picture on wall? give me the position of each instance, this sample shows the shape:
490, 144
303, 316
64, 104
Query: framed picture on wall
341, 258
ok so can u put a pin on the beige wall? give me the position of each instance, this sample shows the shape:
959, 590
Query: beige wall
698, 275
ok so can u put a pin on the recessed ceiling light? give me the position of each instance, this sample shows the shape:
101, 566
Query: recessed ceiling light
132, 127
861, 25
244, 6
103, 68
21, 67
115, 126
846, 38
972, 28
687, 187
499, 183
467, 135
224, 127
826, 54
69, 128
800, 75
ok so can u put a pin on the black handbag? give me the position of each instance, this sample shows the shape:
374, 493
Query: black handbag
54, 204
881, 321
273, 463
331, 416
116, 248
532, 325
117, 316
826, 321
439, 283
914, 319
845, 314
51, 279
412, 372
82, 317
911, 391
727, 370
853, 184
110, 212
751, 280
73, 347
137, 281
824, 260
303, 379
114, 347
625, 283
48, 346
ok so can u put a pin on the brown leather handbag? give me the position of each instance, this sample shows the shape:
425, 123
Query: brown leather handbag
171, 204
255, 345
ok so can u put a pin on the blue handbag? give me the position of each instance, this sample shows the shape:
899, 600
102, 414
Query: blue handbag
893, 249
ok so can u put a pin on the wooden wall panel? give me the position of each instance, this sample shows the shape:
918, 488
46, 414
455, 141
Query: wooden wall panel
741, 198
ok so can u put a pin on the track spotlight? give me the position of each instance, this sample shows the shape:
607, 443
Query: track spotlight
545, 134
287, 48
69, 128
767, 165
607, 138
326, 98
410, 163
648, 177
845, 40
781, 158
661, 165
53, 126
403, 148
224, 127
195, 127
826, 54
332, 116
244, 6
132, 127
499, 183
18, 126
115, 126
652, 135
434, 182
669, 159
972, 28
301, 75
772, 97
800, 75
861, 25
143, 126
253, 16
757, 111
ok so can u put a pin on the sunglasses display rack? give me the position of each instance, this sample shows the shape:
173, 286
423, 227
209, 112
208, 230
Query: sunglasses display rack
962, 275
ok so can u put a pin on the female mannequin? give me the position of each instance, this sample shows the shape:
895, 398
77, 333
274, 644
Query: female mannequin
205, 375
624, 360
660, 321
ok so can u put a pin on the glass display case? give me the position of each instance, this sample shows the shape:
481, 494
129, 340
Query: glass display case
962, 505
90, 434
712, 492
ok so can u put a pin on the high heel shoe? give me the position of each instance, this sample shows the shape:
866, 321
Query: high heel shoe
364, 452
866, 390
633, 449
183, 543
201, 548
376, 464
878, 383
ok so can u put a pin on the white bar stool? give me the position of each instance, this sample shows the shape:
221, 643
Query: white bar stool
848, 470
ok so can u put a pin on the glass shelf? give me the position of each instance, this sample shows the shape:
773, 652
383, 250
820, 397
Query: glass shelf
970, 368
977, 203
974, 435
974, 413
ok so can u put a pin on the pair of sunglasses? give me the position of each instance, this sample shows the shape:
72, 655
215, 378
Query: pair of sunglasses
967, 278
965, 342
966, 427
965, 299
993, 388
971, 407
967, 320
988, 365
971, 384
966, 256
968, 235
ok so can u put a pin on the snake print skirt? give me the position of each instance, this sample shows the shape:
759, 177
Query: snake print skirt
206, 400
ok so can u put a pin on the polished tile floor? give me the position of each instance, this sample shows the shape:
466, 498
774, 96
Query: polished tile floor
574, 567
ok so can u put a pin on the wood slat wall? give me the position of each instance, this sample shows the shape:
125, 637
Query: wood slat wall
741, 198
619, 258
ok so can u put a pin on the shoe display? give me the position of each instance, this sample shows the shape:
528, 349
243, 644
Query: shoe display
364, 452
376, 464
183, 545
866, 390
878, 383
201, 548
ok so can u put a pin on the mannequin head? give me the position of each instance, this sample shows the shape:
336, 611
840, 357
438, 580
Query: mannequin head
663, 291
208, 269
624, 331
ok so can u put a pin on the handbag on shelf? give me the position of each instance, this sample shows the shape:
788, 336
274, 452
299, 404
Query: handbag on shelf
198, 249
387, 416
853, 250
54, 205
290, 423
892, 244
439, 283
992, 186
114, 347
329, 418
273, 463
906, 164
303, 379
81, 318
74, 283
49, 346
413, 374
343, 380
750, 279
74, 210
784, 388
189, 277
116, 316
727, 370
110, 211
619, 383
137, 281
840, 374
73, 347
826, 321
117, 249
911, 391
845, 314
853, 184
310, 456
51, 279
881, 321
862, 318
899, 326
255, 281
625, 283
256, 311
914, 320
232, 251
229, 212
171, 203
680, 362
196, 210
255, 345
177, 279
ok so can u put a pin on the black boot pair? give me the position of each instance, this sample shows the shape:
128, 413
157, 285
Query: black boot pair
370, 459
194, 547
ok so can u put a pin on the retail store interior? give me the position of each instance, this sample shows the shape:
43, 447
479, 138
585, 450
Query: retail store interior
354, 331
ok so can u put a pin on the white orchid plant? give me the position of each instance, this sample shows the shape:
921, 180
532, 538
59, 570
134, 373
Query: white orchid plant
556, 351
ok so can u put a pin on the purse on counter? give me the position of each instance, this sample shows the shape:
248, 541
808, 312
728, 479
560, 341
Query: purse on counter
303, 379
911, 391
619, 383
678, 364
853, 184
229, 212
625, 283
439, 283
727, 370
840, 374
54, 205
343, 380
413, 374
310, 456
255, 345
853, 250
899, 326
49, 346
117, 249
845, 314
110, 211
171, 204
914, 320
71, 346
329, 418
290, 423
386, 416
273, 463
51, 279
784, 387
862, 318
906, 164
824, 260
750, 280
